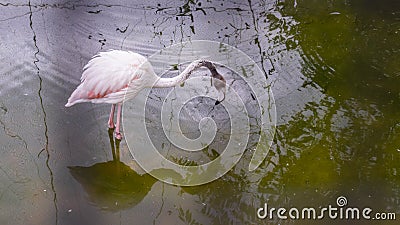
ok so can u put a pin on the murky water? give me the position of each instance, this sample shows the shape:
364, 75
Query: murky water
336, 74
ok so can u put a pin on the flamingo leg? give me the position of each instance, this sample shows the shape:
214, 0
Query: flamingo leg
111, 118
118, 134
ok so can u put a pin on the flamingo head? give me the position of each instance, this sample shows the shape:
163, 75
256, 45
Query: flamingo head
219, 83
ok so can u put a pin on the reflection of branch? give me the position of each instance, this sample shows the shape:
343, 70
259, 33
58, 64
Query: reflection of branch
182, 14
39, 92
186, 217
162, 204
257, 39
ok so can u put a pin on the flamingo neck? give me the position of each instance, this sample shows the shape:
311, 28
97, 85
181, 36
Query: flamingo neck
171, 82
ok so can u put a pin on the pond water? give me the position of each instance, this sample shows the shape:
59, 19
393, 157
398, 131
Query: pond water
335, 71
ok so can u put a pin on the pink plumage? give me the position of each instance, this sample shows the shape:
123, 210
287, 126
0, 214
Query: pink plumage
106, 77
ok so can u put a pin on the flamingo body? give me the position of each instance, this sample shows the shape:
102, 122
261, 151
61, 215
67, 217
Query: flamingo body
106, 77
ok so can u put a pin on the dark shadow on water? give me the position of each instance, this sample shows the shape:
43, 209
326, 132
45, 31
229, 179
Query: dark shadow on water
113, 185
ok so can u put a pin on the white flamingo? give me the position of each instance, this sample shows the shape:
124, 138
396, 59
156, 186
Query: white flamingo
106, 77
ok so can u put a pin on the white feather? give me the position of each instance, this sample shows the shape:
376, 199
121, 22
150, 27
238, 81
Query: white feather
106, 76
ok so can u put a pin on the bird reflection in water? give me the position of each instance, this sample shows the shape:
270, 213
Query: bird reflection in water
113, 185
